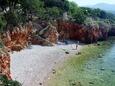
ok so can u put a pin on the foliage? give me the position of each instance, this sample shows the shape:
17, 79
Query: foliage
49, 13
53, 12
63, 4
2, 22
76, 13
79, 16
99, 23
97, 13
20, 11
72, 8
104, 25
5, 82
90, 22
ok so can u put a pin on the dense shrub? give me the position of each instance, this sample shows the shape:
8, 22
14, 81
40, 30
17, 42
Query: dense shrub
2, 22
89, 22
5, 82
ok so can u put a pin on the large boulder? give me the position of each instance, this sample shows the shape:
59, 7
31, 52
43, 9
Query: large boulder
37, 40
45, 36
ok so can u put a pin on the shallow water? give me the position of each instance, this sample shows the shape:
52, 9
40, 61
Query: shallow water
96, 70
101, 71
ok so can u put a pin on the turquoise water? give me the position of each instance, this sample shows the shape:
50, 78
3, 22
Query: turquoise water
102, 70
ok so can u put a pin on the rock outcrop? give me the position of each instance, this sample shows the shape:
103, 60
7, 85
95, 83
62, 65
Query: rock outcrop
37, 40
69, 30
5, 63
45, 36
112, 31
14, 39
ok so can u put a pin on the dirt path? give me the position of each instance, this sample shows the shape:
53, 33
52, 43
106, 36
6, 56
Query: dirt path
32, 66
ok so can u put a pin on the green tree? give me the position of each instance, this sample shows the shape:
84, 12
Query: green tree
2, 22
63, 4
72, 8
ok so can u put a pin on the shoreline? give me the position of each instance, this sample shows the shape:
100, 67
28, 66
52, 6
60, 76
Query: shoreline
60, 64
36, 69
81, 70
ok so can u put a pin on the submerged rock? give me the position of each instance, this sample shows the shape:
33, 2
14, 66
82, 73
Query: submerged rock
102, 69
53, 71
112, 70
91, 82
100, 56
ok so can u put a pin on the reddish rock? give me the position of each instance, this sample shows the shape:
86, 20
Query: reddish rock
17, 38
37, 40
46, 36
52, 35
5, 63
69, 30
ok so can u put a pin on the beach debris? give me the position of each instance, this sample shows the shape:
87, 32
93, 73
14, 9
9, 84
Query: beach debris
67, 52
72, 83
40, 83
98, 44
66, 42
53, 71
79, 84
78, 53
75, 83
48, 78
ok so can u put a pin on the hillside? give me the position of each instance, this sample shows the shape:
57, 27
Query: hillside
104, 6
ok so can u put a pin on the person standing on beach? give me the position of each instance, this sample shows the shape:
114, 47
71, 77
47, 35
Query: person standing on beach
77, 44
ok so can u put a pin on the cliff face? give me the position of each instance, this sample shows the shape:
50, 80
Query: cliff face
68, 30
112, 31
14, 39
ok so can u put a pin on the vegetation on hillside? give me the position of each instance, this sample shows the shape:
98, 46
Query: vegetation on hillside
20, 11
